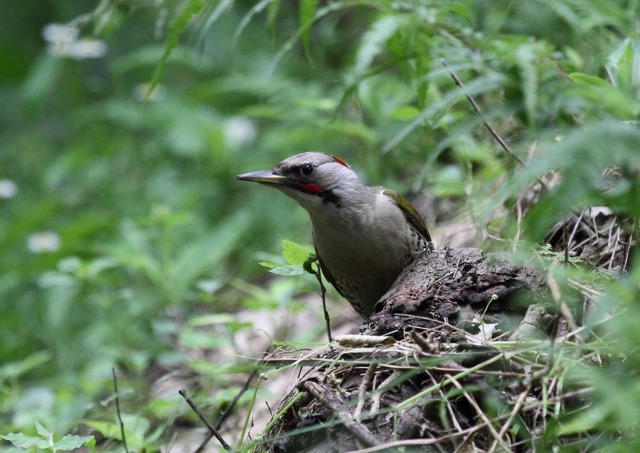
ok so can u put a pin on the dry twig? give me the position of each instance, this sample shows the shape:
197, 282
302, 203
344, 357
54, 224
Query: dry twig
206, 422
334, 403
115, 389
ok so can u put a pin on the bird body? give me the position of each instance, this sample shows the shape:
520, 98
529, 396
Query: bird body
364, 236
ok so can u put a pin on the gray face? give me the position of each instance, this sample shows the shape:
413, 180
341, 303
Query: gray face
310, 178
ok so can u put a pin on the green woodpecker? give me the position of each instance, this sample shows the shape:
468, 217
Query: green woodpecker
364, 236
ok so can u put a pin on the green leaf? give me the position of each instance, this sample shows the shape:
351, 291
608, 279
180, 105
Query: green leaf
23, 441
272, 13
373, 43
207, 253
178, 25
108, 429
405, 113
256, 9
295, 254
71, 442
287, 270
13, 370
477, 86
307, 13
581, 155
43, 431
220, 8
585, 421
40, 79
588, 79
136, 429
527, 59
615, 101
623, 64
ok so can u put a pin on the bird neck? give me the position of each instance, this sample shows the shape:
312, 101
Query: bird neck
351, 210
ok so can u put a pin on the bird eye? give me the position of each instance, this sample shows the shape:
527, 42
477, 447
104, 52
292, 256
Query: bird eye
307, 169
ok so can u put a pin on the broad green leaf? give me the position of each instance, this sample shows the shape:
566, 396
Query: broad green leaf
288, 270
405, 113
589, 79
23, 441
585, 421
71, 442
136, 428
295, 254
109, 430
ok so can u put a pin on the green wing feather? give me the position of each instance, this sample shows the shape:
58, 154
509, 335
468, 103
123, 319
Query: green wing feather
409, 211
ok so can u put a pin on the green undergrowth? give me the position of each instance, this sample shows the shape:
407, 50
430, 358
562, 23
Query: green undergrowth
128, 244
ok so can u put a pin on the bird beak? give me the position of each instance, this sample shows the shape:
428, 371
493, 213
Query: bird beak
263, 177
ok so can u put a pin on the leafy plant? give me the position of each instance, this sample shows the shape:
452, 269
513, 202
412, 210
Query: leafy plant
45, 440
126, 239
298, 260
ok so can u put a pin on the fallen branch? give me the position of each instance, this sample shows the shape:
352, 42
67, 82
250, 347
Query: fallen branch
211, 428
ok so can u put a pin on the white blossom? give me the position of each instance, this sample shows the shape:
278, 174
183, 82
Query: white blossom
8, 188
239, 131
43, 242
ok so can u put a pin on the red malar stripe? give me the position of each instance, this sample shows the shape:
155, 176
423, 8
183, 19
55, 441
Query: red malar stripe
309, 187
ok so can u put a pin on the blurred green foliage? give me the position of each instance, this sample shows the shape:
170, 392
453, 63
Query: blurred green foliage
120, 218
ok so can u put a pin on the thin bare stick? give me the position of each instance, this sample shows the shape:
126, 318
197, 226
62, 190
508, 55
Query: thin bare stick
333, 402
211, 428
516, 409
489, 127
389, 446
426, 347
227, 411
115, 389
480, 413
377, 396
231, 406
362, 389
323, 295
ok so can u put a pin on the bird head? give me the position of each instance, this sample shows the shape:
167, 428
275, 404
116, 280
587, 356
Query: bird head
313, 179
